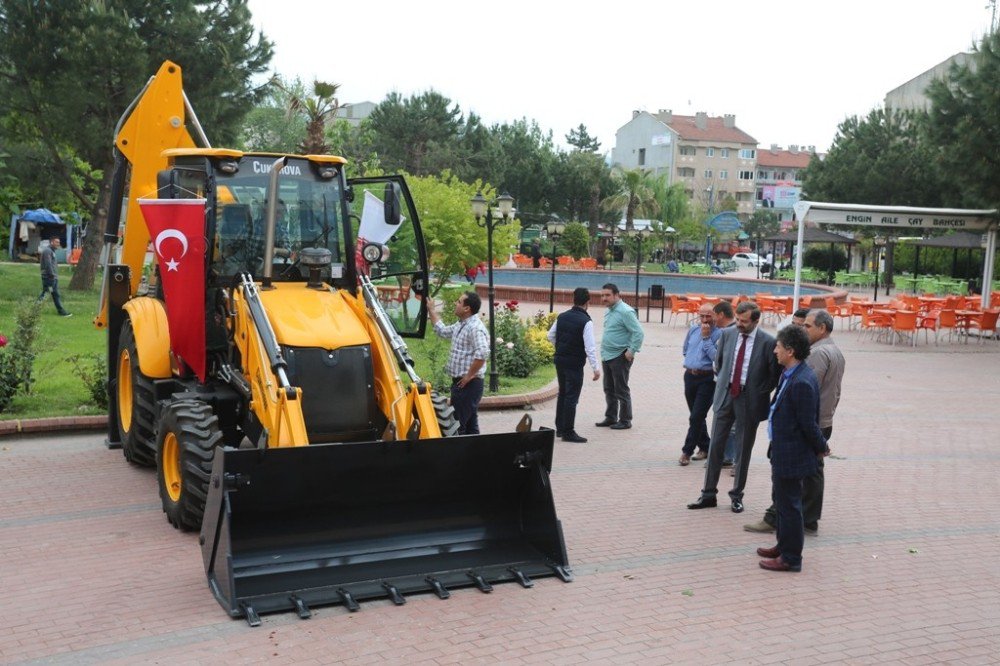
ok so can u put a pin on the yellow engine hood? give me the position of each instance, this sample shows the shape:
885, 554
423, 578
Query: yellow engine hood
303, 317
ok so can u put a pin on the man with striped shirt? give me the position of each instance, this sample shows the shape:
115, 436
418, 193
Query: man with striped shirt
470, 345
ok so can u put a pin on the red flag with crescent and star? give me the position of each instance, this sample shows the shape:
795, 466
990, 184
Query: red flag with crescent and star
177, 229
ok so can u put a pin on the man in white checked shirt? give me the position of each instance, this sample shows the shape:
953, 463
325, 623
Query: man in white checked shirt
470, 345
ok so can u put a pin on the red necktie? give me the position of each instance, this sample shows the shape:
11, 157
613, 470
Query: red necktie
734, 388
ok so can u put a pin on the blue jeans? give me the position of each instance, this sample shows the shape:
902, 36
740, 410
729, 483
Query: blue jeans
52, 284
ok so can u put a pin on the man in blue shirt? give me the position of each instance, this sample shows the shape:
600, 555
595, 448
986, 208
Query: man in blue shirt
620, 343
699, 382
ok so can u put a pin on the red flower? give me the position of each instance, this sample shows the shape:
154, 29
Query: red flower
3, 340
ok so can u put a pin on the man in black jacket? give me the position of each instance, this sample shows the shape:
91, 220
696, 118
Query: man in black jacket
50, 275
573, 336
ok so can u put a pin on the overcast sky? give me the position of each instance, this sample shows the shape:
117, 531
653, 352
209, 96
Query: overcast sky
791, 70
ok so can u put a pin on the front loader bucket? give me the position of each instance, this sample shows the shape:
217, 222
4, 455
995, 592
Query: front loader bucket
290, 528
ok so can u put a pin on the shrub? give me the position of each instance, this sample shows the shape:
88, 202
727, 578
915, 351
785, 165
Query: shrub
818, 257
17, 358
92, 369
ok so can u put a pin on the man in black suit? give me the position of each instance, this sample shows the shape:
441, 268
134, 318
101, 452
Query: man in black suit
746, 372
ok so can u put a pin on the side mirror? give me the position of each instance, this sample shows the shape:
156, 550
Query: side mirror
393, 206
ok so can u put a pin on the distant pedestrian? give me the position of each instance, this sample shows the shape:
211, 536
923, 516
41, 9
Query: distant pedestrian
572, 333
50, 275
470, 345
797, 443
672, 266
620, 342
536, 254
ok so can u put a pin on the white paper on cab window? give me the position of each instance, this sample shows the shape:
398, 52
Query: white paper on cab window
373, 227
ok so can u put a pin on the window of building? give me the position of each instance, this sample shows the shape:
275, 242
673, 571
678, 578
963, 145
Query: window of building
708, 173
762, 175
725, 153
685, 172
746, 175
688, 150
642, 157
723, 174
710, 152
747, 153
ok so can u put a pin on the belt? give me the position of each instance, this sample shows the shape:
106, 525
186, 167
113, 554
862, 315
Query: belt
698, 372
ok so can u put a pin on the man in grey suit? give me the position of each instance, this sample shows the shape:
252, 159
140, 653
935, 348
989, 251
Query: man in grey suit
747, 372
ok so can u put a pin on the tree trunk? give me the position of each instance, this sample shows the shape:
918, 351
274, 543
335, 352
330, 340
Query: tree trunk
93, 241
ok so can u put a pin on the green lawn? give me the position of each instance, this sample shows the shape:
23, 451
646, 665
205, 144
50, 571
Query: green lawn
58, 391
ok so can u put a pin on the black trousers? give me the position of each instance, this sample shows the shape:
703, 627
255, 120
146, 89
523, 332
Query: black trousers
570, 384
465, 401
698, 392
616, 391
812, 494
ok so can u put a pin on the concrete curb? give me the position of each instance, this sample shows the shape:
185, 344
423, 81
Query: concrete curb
100, 422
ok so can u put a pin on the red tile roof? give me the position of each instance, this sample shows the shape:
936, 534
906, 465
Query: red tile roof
715, 129
783, 158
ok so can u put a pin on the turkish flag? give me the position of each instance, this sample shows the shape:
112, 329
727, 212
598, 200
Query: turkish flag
177, 227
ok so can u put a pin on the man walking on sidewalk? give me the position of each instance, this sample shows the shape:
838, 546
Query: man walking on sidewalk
572, 333
620, 343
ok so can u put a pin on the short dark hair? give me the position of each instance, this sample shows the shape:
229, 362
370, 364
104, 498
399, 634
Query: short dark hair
823, 318
473, 301
751, 307
724, 308
611, 286
796, 340
801, 313
581, 296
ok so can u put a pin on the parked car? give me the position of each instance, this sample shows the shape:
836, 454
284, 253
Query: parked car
746, 259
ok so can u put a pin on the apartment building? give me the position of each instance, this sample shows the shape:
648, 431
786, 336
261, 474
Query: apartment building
710, 155
779, 178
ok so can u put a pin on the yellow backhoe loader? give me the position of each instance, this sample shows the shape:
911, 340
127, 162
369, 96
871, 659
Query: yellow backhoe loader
257, 360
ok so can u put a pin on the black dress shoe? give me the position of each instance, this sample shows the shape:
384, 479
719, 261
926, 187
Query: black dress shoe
605, 423
704, 503
573, 437
737, 506
622, 425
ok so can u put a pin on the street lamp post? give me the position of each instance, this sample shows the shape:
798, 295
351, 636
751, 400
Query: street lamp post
555, 230
638, 234
483, 212
877, 249
708, 240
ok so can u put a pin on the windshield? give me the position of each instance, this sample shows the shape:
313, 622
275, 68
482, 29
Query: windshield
308, 215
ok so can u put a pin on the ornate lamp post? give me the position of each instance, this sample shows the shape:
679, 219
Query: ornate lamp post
555, 230
484, 214
710, 190
638, 234
877, 243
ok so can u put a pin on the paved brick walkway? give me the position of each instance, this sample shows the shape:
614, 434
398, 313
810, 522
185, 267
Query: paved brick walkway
904, 570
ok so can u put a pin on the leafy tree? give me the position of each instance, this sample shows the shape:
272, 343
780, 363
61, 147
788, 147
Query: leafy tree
407, 132
633, 194
761, 224
68, 70
318, 108
881, 159
454, 241
965, 125
525, 165
268, 127
672, 200
575, 241
581, 140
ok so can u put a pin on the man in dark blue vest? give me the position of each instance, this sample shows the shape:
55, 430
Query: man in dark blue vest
573, 336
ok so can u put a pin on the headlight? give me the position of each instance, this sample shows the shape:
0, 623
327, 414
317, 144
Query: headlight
372, 252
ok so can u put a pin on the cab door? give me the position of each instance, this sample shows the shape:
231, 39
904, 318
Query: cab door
383, 214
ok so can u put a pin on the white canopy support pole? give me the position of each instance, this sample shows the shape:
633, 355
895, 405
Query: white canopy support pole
801, 210
991, 250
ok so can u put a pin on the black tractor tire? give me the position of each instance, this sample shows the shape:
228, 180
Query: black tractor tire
189, 434
135, 403
445, 415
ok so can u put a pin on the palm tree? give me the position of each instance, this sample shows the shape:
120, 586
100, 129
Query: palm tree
634, 194
318, 109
